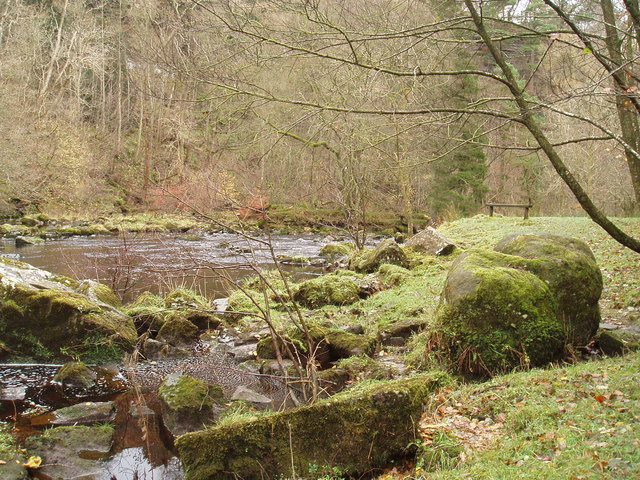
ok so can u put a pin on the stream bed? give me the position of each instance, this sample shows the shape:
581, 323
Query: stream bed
141, 447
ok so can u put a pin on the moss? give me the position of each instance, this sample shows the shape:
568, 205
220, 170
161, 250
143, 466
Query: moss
370, 259
177, 330
327, 290
54, 321
568, 267
336, 250
356, 432
493, 319
75, 373
99, 292
393, 275
181, 392
185, 298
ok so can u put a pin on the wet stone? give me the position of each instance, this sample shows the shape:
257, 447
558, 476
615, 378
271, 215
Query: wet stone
72, 453
242, 353
248, 395
13, 469
88, 413
13, 394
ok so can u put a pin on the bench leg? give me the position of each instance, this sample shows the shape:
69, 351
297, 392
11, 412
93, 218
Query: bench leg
526, 213
491, 210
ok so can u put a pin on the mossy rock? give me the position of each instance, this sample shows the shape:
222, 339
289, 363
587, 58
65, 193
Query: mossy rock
569, 268
393, 275
25, 240
72, 451
181, 392
29, 220
618, 342
337, 250
76, 374
327, 290
99, 292
331, 344
241, 306
353, 432
148, 312
495, 316
177, 331
189, 404
370, 259
41, 316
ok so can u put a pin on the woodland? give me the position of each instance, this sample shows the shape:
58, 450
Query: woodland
428, 108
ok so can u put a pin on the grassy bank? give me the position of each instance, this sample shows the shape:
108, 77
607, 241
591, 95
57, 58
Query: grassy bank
576, 422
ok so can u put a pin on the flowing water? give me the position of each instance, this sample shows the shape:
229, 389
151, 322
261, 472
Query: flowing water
158, 263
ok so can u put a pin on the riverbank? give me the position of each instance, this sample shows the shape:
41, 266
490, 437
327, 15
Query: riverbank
277, 218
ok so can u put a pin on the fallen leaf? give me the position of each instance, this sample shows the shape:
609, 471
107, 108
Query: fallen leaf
599, 398
33, 462
2, 462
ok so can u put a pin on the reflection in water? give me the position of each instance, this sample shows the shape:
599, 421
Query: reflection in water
157, 263
132, 463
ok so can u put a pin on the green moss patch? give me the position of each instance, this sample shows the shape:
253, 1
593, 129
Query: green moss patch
370, 259
327, 290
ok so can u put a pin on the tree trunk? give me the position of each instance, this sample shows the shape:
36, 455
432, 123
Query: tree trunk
626, 115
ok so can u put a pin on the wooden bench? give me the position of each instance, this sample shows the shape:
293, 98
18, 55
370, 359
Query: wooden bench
526, 207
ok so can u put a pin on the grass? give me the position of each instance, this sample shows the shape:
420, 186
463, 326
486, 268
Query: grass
8, 445
577, 422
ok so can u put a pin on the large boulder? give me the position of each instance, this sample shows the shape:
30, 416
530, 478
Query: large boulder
501, 311
44, 315
353, 433
370, 259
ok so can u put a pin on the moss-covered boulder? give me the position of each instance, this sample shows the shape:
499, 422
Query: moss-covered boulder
501, 311
352, 432
327, 290
337, 250
495, 316
189, 404
370, 259
24, 240
148, 312
72, 452
569, 268
184, 298
42, 315
76, 374
177, 331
